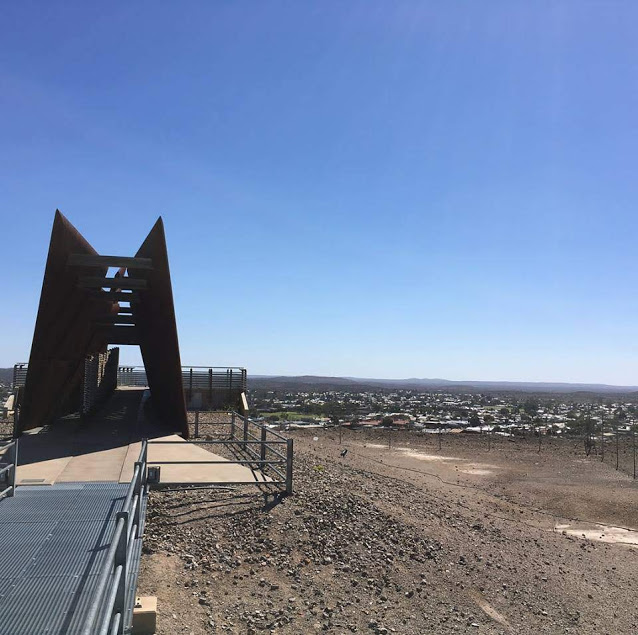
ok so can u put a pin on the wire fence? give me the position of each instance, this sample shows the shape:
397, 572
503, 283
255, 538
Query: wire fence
616, 446
610, 442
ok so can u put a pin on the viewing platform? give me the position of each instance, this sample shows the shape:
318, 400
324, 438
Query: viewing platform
105, 447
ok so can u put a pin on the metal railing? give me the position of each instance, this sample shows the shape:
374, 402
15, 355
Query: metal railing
205, 387
8, 468
193, 377
108, 607
254, 445
19, 374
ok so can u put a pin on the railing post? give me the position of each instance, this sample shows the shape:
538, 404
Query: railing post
145, 459
197, 425
14, 469
143, 462
245, 418
210, 388
12, 458
262, 447
289, 452
120, 560
16, 412
232, 425
137, 489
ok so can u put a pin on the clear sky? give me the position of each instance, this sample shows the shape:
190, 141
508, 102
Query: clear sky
391, 189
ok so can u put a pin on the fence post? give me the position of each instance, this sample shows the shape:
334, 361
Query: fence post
120, 560
262, 447
197, 425
232, 425
289, 453
538, 429
633, 445
616, 446
210, 389
245, 418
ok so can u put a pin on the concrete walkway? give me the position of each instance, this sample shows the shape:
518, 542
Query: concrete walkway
189, 472
105, 447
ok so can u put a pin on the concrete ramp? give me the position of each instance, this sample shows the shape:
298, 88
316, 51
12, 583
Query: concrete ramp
193, 468
83, 450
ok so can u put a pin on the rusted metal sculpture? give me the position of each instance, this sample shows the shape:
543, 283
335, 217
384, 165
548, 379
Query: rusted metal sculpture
82, 311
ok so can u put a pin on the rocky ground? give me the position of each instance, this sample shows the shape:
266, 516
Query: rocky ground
6, 427
396, 540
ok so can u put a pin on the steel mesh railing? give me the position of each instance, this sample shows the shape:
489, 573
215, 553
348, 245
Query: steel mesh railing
106, 613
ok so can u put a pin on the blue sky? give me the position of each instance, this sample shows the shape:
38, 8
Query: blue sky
431, 189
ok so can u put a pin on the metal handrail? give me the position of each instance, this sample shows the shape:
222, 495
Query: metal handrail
213, 442
127, 368
110, 594
270, 464
270, 430
245, 439
8, 472
223, 462
103, 579
265, 430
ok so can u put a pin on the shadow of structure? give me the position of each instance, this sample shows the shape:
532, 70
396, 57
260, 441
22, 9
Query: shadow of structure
217, 504
122, 420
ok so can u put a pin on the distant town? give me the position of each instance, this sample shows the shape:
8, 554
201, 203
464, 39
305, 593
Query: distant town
292, 404
445, 411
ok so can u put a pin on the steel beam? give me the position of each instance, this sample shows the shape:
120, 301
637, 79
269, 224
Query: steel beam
121, 283
84, 260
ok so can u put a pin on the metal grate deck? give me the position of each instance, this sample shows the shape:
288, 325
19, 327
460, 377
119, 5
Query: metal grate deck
54, 540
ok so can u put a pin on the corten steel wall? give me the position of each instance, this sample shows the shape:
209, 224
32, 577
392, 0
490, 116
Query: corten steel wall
100, 379
63, 335
68, 329
155, 317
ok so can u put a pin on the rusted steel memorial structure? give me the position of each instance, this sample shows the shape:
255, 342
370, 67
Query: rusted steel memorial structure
82, 310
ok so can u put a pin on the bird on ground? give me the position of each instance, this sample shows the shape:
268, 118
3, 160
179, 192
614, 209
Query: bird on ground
343, 453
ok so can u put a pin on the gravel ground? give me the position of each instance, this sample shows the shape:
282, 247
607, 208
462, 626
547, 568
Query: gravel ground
6, 428
383, 542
